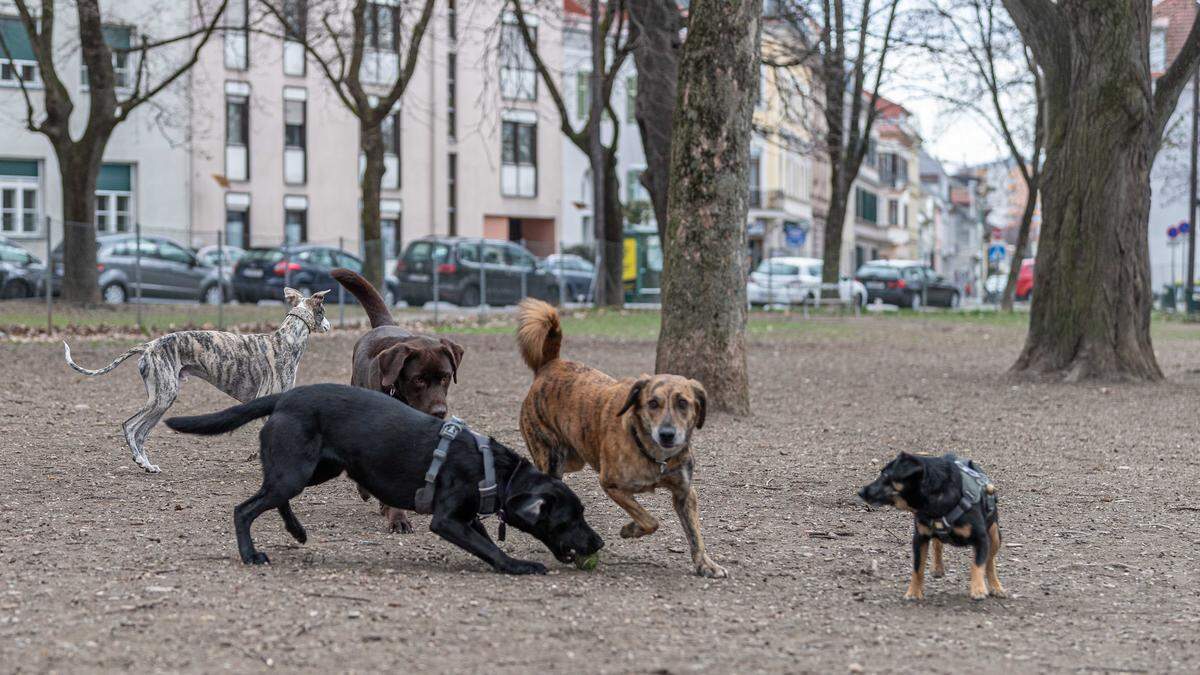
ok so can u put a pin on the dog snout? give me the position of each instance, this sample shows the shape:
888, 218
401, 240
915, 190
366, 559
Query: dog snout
438, 410
666, 436
862, 494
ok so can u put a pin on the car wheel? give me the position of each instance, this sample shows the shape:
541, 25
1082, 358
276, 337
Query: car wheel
113, 294
15, 289
955, 301
470, 297
212, 295
915, 302
862, 299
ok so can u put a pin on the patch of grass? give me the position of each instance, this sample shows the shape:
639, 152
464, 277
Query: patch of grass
156, 318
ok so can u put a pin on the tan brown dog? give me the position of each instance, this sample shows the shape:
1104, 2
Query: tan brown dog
636, 433
414, 369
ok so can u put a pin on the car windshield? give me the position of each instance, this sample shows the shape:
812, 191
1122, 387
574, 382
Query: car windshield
878, 272
778, 268
267, 255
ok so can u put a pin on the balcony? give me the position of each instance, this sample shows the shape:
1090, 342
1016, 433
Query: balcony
756, 198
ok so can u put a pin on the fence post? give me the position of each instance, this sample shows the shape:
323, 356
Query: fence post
562, 291
524, 283
342, 291
50, 280
287, 263
482, 280
221, 279
436, 289
137, 273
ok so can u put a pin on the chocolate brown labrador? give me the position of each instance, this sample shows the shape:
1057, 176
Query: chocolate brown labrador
414, 369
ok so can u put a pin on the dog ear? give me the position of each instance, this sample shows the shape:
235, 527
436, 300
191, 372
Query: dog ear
455, 352
528, 507
906, 466
391, 363
292, 296
635, 393
319, 296
701, 402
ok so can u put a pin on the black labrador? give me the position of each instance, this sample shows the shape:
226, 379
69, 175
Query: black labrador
318, 431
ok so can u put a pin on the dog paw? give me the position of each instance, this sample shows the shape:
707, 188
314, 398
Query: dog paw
632, 530
258, 558
914, 594
979, 595
711, 570
939, 572
999, 593
524, 567
151, 468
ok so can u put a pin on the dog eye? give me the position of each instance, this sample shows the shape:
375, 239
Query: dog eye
653, 404
682, 404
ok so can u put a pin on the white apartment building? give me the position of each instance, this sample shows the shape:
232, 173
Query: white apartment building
144, 177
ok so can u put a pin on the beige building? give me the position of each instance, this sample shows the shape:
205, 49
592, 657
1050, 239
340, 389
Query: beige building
470, 152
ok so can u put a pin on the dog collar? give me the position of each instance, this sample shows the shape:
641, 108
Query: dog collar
662, 465
312, 327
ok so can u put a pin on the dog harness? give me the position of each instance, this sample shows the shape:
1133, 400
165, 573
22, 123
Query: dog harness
423, 502
976, 488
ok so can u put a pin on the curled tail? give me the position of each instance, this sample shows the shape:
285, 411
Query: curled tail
225, 420
539, 335
116, 362
368, 296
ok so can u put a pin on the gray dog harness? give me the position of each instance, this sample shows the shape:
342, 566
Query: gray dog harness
423, 502
976, 488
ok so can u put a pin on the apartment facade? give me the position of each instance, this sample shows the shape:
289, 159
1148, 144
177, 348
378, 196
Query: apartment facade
144, 177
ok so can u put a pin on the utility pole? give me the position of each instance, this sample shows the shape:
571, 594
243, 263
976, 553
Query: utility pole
596, 156
1191, 259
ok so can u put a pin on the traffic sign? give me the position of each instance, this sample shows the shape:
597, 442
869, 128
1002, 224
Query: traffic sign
997, 252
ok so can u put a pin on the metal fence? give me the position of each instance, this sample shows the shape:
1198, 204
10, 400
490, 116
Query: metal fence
148, 264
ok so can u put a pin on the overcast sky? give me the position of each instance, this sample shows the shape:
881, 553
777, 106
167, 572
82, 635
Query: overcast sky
954, 138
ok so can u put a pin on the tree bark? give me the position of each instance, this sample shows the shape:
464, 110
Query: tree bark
372, 146
612, 237
656, 55
703, 332
1091, 310
835, 223
79, 168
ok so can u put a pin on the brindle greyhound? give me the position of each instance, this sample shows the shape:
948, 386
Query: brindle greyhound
244, 366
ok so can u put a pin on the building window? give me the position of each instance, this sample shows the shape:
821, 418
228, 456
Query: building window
295, 139
631, 99
22, 66
295, 31
383, 27
518, 158
19, 198
452, 21
237, 136
866, 206
634, 190
452, 193
583, 94
118, 39
893, 212
518, 74
390, 129
295, 226
1158, 50
389, 229
114, 198
452, 95
754, 178
237, 35
237, 227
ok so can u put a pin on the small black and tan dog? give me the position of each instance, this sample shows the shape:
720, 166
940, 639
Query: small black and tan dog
953, 502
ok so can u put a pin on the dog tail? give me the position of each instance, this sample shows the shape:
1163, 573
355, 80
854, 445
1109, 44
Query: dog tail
368, 296
539, 334
227, 419
116, 362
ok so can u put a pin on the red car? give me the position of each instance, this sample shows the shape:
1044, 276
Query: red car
1025, 280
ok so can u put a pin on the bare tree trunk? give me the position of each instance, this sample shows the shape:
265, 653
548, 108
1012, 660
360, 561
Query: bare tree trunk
79, 168
704, 269
835, 223
1021, 249
372, 181
656, 55
613, 293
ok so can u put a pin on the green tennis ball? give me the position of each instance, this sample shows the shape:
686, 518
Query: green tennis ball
587, 563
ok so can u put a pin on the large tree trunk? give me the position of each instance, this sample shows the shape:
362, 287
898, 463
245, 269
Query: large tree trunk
704, 269
656, 55
835, 224
79, 168
1021, 249
1092, 298
613, 288
372, 146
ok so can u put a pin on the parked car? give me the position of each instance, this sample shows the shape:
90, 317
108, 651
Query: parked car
907, 283
22, 274
168, 270
1024, 289
262, 273
470, 271
210, 255
575, 273
792, 280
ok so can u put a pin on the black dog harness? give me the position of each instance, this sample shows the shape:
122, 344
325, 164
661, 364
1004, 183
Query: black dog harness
976, 488
423, 502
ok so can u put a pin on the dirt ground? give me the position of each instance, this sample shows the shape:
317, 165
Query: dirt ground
105, 567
